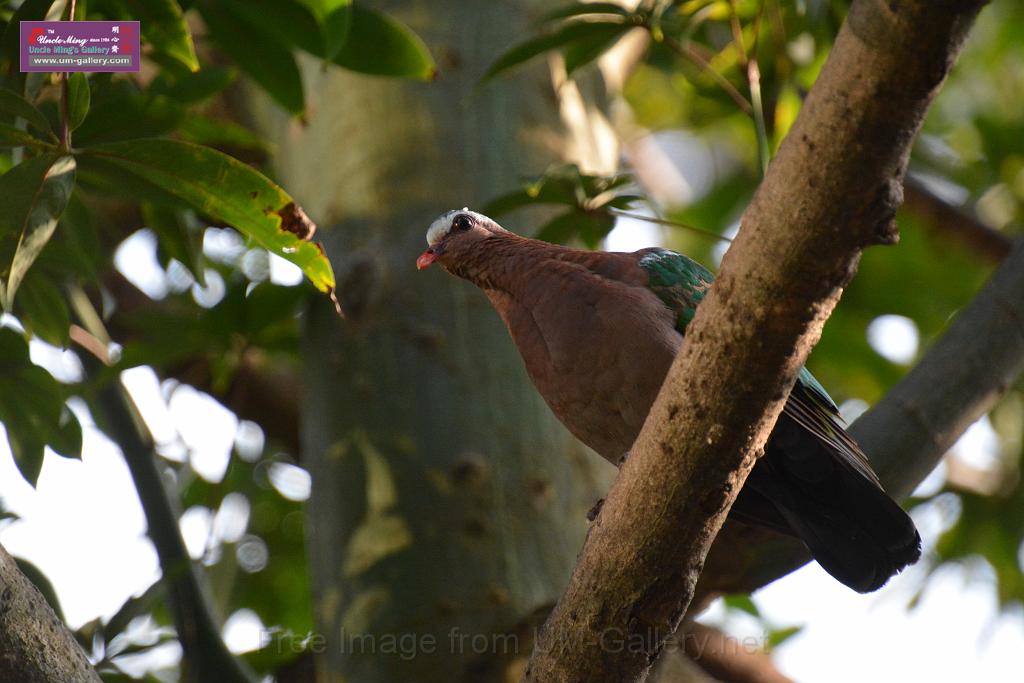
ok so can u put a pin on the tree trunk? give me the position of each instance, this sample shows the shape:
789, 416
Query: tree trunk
447, 505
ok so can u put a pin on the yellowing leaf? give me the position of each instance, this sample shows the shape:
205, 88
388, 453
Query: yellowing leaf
226, 190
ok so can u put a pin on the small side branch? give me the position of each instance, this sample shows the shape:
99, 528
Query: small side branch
947, 219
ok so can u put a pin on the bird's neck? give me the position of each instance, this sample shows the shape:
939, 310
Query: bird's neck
505, 260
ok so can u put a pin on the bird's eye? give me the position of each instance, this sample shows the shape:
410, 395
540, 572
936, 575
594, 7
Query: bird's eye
462, 222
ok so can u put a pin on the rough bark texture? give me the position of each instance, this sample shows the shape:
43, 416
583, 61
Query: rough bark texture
35, 646
831, 191
447, 503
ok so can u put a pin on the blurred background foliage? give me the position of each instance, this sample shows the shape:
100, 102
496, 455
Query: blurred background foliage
711, 89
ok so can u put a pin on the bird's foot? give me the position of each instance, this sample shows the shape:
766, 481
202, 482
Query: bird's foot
596, 510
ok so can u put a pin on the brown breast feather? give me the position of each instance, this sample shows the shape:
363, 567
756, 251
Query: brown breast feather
596, 341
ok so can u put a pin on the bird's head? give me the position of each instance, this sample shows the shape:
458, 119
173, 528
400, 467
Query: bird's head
454, 234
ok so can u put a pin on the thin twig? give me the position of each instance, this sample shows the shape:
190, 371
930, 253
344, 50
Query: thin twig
688, 53
65, 118
671, 223
754, 82
65, 124
737, 33
753, 73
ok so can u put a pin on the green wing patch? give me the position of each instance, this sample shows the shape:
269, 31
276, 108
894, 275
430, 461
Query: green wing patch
680, 282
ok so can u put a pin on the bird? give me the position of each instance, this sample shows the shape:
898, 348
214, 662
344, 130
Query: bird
598, 331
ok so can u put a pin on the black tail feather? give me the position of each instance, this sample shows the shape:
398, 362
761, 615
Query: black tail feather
855, 531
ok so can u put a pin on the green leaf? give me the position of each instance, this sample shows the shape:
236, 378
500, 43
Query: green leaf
13, 104
75, 249
380, 45
594, 226
291, 22
335, 19
203, 130
227, 190
535, 193
174, 238
10, 43
743, 603
778, 636
15, 137
100, 176
282, 648
585, 50
118, 111
34, 194
258, 52
31, 407
559, 229
563, 37
195, 87
584, 8
565, 185
78, 99
164, 27
624, 201
589, 226
42, 310
269, 312
66, 440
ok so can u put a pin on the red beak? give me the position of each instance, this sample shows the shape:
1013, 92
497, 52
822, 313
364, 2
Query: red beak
426, 258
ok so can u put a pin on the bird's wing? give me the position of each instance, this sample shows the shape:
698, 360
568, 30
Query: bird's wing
681, 284
814, 410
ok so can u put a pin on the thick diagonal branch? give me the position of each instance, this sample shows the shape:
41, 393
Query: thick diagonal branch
831, 191
35, 646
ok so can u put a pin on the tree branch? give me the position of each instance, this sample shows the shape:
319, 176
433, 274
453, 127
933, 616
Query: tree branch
206, 657
960, 379
726, 658
35, 646
832, 190
945, 218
